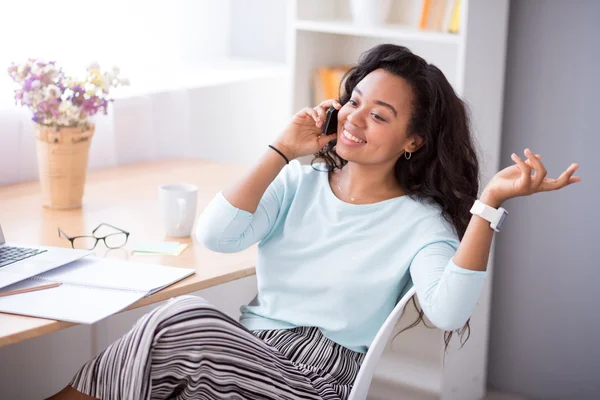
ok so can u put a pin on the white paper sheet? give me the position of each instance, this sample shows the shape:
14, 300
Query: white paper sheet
92, 289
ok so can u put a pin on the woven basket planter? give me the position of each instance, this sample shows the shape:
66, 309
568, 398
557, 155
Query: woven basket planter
62, 162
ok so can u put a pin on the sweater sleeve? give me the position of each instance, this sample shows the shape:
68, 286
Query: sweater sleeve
447, 293
226, 229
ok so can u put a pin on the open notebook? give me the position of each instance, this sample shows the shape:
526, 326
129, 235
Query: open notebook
92, 289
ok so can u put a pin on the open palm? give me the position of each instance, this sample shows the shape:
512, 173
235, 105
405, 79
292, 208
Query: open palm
518, 180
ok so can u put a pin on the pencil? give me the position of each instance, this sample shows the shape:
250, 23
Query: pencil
31, 289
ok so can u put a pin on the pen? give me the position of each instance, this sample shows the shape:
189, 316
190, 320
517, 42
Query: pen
31, 289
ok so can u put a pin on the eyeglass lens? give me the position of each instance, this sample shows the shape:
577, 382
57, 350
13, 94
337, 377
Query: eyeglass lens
115, 240
84, 242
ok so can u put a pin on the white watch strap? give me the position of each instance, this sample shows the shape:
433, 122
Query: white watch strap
486, 212
494, 216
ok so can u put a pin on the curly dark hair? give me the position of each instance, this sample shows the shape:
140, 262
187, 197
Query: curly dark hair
445, 169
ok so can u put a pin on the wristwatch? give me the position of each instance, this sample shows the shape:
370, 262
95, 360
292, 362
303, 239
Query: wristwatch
494, 216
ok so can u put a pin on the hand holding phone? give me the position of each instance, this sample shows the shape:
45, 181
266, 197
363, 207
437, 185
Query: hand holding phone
308, 124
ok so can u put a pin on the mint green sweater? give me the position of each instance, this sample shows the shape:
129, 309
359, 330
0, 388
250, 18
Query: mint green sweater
341, 267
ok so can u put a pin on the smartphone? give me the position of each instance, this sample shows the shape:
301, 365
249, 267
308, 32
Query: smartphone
331, 121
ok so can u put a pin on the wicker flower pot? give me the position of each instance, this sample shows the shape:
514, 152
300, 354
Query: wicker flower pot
62, 162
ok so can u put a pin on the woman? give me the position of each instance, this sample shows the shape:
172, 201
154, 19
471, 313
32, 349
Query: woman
339, 244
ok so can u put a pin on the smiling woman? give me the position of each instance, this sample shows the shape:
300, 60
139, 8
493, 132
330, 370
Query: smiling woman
410, 123
332, 263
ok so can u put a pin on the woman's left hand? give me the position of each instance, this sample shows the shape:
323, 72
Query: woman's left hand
517, 180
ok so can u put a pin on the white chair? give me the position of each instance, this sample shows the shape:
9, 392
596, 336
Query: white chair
360, 389
367, 368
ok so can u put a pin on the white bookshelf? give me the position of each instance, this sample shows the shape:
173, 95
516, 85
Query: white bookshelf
388, 31
321, 33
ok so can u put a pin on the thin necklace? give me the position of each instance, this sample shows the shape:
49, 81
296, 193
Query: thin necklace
353, 199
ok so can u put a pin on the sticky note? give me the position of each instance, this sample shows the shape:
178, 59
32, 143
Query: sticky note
156, 247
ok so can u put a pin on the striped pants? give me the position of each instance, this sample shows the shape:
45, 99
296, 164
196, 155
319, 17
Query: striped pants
187, 349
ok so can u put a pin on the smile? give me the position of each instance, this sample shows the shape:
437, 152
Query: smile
349, 136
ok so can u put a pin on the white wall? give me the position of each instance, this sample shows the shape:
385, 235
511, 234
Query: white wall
130, 33
248, 36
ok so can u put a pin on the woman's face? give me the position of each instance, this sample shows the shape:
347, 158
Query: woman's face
372, 124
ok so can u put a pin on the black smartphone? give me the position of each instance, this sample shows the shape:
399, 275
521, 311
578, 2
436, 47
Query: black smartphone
331, 121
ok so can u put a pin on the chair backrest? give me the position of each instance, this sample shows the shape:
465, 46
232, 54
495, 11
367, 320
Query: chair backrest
360, 389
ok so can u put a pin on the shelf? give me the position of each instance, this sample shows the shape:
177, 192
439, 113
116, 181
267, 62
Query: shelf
170, 78
340, 27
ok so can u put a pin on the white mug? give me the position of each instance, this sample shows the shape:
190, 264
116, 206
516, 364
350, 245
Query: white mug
178, 203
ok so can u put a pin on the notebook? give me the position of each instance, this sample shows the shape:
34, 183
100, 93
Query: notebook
92, 289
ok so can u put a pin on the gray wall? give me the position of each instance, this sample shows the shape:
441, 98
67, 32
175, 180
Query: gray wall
545, 321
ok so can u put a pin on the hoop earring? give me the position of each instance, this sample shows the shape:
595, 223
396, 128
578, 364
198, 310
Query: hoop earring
407, 156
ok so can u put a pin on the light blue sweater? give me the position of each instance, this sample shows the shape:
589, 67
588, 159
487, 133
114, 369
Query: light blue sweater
341, 267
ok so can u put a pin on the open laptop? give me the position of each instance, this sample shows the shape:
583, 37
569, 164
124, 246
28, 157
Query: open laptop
18, 262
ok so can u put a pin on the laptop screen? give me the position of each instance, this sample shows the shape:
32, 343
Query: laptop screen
1, 236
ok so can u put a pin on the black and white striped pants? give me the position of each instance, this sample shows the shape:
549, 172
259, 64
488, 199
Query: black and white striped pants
187, 349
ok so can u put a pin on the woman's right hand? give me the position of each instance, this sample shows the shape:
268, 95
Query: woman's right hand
303, 136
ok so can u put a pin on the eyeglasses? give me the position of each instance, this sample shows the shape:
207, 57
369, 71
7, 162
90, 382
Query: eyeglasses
112, 241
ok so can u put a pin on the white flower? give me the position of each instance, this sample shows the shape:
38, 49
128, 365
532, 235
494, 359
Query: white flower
67, 113
124, 81
116, 71
51, 91
35, 69
36, 97
49, 70
107, 81
36, 84
64, 106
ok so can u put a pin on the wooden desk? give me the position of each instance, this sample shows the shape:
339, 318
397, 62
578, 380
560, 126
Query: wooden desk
126, 197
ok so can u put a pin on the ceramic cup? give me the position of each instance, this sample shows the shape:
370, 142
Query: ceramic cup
178, 204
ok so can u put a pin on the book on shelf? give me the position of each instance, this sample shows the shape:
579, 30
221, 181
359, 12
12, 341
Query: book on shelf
440, 15
326, 82
454, 22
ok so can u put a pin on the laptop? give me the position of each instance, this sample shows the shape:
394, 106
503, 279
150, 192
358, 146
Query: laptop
18, 261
